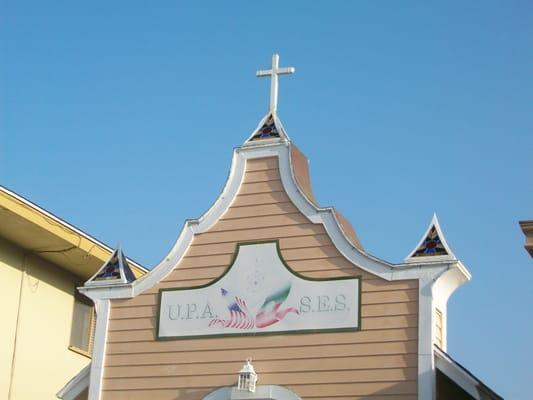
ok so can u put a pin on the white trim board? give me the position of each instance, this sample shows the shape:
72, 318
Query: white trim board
262, 392
462, 377
100, 338
76, 385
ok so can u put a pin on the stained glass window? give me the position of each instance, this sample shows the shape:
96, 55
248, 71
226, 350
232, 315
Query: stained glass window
111, 270
431, 246
116, 270
267, 131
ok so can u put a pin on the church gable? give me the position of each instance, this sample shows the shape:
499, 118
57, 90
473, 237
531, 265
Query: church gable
372, 334
379, 358
263, 211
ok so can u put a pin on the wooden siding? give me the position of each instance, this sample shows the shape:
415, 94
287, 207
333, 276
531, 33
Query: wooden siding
378, 362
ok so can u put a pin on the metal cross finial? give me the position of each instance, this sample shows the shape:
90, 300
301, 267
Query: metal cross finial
274, 72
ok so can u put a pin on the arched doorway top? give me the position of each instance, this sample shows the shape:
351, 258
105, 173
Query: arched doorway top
262, 392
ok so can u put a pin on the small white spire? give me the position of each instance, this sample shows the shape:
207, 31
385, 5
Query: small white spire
274, 72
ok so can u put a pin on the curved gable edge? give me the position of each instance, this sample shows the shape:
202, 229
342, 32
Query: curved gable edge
337, 228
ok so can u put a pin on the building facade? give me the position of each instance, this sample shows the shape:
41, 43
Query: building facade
269, 276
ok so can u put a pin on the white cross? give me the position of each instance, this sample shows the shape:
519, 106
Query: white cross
274, 72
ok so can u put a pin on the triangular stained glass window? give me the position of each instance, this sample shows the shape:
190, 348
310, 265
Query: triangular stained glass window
431, 246
267, 131
111, 270
116, 270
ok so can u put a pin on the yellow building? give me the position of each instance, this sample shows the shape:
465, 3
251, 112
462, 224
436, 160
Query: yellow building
46, 328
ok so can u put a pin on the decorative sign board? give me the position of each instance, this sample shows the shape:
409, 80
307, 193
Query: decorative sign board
258, 294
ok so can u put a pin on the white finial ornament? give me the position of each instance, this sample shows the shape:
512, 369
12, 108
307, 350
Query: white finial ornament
247, 377
274, 72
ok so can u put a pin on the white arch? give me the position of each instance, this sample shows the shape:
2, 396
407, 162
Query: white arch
262, 392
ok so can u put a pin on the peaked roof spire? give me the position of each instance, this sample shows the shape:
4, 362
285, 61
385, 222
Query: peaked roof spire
432, 246
115, 270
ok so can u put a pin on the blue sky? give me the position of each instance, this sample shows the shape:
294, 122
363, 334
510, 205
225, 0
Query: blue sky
120, 117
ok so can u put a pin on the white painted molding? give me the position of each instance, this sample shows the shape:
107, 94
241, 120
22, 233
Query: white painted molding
317, 215
262, 392
456, 373
426, 368
446, 284
100, 338
223, 393
76, 385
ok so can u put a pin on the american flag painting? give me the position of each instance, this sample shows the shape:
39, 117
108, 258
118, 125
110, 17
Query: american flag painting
270, 312
239, 315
